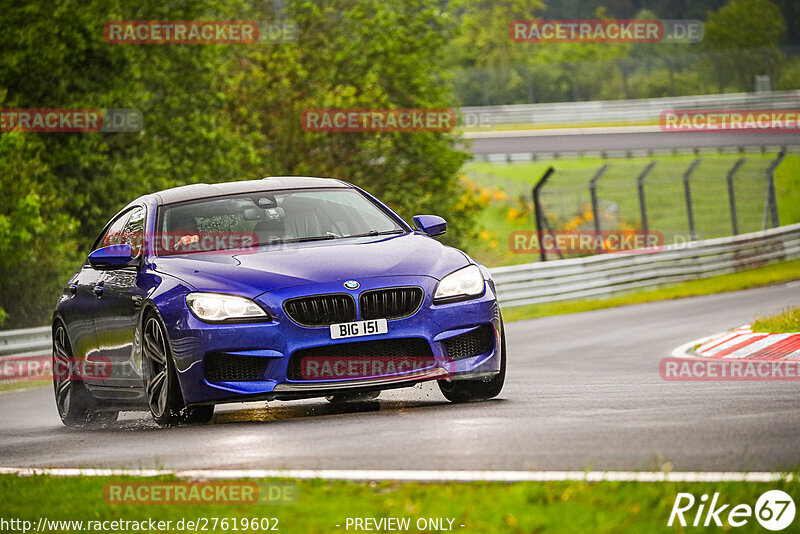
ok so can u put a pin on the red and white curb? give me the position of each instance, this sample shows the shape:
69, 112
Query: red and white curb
743, 343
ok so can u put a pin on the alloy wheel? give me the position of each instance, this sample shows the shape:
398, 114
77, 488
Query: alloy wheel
62, 358
155, 353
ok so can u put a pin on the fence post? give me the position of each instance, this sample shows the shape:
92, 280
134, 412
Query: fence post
593, 190
732, 194
688, 192
642, 201
771, 205
537, 209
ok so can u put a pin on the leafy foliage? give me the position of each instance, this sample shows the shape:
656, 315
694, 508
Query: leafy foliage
227, 112
212, 113
374, 54
743, 38
37, 243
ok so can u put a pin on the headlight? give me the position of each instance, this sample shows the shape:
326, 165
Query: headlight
216, 308
462, 284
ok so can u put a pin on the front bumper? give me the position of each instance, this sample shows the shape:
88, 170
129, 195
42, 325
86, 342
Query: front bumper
274, 342
433, 373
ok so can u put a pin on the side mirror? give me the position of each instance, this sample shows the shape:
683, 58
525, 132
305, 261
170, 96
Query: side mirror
111, 257
432, 225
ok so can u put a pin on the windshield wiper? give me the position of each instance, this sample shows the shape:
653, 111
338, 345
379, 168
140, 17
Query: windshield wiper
371, 233
272, 241
309, 238
282, 240
375, 232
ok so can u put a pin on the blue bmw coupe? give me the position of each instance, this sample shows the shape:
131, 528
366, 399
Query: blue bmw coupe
282, 288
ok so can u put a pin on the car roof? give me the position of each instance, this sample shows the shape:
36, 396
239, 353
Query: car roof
270, 183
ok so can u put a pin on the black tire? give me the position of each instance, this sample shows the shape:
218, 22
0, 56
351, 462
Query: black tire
161, 380
478, 390
342, 398
76, 406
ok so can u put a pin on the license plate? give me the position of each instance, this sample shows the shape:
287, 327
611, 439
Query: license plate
359, 328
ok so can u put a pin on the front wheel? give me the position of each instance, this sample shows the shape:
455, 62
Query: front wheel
161, 380
478, 390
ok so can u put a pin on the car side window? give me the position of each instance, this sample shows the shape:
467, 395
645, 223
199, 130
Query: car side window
113, 234
133, 231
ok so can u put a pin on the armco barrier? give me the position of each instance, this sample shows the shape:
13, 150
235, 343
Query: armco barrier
592, 276
646, 109
609, 274
29, 341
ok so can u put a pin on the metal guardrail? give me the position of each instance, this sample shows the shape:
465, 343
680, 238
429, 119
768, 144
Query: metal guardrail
645, 109
29, 341
527, 157
606, 275
592, 276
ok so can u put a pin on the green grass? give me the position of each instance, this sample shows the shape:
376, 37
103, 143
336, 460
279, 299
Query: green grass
567, 195
492, 247
787, 189
22, 384
787, 321
761, 276
603, 507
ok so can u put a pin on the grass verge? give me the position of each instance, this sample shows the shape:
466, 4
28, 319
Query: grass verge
785, 322
22, 384
480, 507
566, 198
761, 276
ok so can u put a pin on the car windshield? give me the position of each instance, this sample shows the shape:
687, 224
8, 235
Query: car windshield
270, 218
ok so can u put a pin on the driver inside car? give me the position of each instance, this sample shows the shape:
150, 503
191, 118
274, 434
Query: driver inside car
184, 225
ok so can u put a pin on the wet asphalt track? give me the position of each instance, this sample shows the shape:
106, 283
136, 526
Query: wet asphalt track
583, 391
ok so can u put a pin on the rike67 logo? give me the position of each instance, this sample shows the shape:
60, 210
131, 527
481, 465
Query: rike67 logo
774, 510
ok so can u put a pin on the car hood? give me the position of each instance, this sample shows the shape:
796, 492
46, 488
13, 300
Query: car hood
279, 266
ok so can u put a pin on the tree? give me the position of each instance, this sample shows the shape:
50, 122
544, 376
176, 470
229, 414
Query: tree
745, 35
37, 243
211, 113
370, 54
55, 56
490, 67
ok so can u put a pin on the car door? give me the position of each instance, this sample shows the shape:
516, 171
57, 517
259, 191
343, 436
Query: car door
83, 293
119, 304
77, 308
